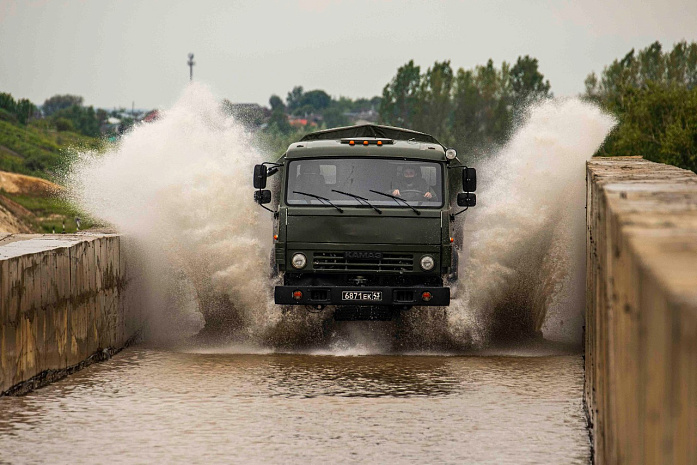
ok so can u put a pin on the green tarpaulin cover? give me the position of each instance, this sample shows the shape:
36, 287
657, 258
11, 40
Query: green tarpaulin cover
370, 130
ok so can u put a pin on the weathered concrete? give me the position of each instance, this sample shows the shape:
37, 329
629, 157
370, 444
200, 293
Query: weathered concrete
62, 305
641, 317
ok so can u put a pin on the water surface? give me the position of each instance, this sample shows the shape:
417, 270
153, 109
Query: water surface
150, 405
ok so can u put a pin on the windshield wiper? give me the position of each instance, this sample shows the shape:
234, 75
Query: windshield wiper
396, 198
358, 197
319, 197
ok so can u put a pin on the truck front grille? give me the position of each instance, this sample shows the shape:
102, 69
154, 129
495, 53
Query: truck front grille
335, 261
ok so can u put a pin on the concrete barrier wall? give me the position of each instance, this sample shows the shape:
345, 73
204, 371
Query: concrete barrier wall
641, 315
63, 303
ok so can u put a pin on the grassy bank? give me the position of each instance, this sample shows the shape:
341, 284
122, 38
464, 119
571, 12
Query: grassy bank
45, 214
35, 149
38, 150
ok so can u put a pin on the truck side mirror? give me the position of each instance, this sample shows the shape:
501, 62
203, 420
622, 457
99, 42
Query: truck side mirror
466, 199
262, 197
469, 180
260, 173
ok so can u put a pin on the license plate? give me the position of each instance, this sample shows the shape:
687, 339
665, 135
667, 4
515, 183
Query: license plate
372, 296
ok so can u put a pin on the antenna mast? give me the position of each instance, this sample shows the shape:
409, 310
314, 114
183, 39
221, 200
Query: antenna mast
191, 64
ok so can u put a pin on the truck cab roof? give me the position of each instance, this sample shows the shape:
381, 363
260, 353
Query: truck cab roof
367, 141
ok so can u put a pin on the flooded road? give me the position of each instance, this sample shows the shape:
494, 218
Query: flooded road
149, 405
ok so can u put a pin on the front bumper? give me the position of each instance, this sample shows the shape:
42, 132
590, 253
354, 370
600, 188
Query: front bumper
392, 296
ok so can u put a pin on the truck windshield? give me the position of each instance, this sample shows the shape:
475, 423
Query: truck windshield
418, 182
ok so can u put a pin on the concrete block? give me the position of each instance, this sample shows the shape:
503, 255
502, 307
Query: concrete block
641, 312
61, 299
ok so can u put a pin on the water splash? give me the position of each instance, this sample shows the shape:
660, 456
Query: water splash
524, 261
179, 190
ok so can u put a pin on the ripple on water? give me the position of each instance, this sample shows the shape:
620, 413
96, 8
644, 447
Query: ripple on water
166, 406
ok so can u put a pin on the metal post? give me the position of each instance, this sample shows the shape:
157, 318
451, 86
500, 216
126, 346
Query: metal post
191, 66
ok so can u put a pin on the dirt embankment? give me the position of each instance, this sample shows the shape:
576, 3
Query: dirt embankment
14, 218
14, 183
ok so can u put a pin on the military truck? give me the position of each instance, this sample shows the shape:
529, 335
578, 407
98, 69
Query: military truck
363, 220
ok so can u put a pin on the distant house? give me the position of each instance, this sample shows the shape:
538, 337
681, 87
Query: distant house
151, 116
302, 122
362, 117
110, 125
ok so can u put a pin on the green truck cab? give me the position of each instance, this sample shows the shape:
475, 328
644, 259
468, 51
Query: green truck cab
363, 220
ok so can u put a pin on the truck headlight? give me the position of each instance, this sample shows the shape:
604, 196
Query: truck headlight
300, 260
427, 263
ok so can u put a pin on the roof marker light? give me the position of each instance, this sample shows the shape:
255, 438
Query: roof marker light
365, 142
379, 142
352, 142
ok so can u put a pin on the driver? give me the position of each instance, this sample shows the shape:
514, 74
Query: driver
409, 181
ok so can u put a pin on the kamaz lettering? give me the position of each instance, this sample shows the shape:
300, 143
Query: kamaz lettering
363, 255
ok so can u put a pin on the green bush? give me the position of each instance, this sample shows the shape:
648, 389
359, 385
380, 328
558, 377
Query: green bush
7, 116
64, 124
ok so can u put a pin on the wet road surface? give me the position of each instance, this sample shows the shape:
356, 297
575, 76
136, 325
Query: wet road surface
150, 405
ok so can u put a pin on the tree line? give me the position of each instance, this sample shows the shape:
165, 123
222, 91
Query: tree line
62, 112
470, 108
653, 93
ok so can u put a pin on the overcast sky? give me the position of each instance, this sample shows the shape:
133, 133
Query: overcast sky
116, 52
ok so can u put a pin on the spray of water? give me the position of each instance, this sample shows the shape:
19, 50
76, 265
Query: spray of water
179, 191
524, 257
178, 188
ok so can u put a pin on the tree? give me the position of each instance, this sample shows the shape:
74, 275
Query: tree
639, 70
60, 102
64, 124
467, 127
472, 108
312, 102
400, 96
482, 106
7, 102
279, 120
681, 64
84, 120
315, 99
293, 98
276, 102
25, 110
334, 117
22, 110
654, 96
102, 116
660, 125
493, 113
527, 83
433, 112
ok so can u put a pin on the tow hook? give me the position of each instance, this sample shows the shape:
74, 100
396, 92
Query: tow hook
360, 280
